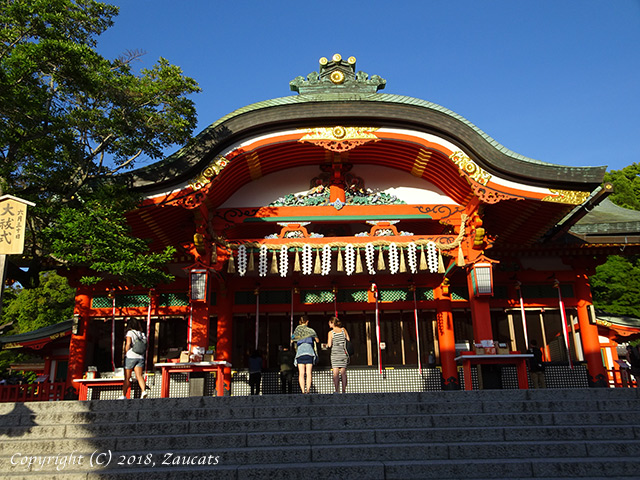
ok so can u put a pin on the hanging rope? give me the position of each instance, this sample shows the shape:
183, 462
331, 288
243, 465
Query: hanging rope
291, 327
113, 333
415, 315
564, 325
524, 319
257, 293
374, 289
190, 336
381, 242
146, 354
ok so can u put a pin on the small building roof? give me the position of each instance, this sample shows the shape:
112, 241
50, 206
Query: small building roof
40, 336
609, 218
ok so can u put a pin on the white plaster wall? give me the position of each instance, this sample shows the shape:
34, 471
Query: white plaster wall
403, 185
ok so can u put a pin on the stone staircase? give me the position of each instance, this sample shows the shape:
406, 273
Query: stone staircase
492, 434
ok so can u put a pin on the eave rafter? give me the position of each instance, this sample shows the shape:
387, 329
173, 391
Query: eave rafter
425, 156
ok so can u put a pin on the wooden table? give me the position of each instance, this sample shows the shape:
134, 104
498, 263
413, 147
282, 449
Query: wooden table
85, 383
519, 359
189, 367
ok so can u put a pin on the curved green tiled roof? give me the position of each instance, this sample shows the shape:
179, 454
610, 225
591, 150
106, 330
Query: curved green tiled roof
38, 334
285, 112
355, 97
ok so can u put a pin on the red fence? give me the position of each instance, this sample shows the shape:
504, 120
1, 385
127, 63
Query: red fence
620, 378
32, 392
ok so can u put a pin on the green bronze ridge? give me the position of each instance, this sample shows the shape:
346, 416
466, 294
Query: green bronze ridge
357, 99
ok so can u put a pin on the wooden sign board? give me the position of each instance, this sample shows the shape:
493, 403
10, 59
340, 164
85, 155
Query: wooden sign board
13, 217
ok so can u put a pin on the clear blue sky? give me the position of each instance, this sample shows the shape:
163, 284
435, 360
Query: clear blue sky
554, 80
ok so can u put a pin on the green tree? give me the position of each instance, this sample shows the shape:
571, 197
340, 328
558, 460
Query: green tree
29, 309
49, 303
70, 121
626, 183
616, 283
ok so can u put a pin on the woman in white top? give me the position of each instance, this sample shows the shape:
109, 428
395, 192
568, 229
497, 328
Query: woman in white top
132, 360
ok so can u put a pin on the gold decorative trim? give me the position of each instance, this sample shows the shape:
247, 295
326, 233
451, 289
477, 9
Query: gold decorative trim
421, 163
253, 162
205, 177
338, 138
337, 77
489, 195
470, 168
571, 197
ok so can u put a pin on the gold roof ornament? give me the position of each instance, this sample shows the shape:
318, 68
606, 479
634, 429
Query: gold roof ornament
338, 138
337, 76
571, 197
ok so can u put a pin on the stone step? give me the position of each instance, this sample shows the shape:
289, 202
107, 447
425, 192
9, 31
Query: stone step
501, 425
533, 452
497, 397
372, 444
153, 410
512, 469
478, 434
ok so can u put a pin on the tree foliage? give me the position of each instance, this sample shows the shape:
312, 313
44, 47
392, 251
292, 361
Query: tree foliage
626, 183
616, 283
49, 303
71, 120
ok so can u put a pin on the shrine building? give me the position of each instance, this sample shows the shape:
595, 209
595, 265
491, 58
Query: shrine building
417, 229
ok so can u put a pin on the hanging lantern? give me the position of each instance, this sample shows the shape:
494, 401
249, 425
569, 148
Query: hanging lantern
198, 277
482, 279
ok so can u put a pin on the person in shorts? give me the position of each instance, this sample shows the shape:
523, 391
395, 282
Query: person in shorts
305, 339
133, 361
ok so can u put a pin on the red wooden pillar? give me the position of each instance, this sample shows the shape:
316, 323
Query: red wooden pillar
446, 339
225, 333
480, 314
200, 324
78, 342
589, 333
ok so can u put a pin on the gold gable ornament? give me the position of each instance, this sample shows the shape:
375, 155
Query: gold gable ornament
470, 168
571, 197
339, 139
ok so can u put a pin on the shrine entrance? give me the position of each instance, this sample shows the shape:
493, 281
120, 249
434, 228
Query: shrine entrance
398, 338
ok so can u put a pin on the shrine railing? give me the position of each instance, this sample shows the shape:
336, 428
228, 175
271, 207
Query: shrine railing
621, 378
32, 392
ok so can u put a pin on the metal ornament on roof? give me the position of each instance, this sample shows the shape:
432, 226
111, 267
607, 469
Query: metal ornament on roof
337, 76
